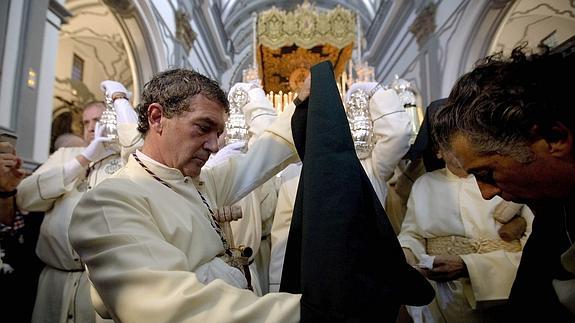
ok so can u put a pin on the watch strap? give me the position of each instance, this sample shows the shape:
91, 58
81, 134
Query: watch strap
8, 194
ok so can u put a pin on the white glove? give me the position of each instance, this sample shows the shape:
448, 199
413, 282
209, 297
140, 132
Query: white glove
225, 152
96, 150
254, 91
110, 87
244, 86
258, 105
124, 111
364, 86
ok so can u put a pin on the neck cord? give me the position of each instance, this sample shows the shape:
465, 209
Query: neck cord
213, 222
93, 164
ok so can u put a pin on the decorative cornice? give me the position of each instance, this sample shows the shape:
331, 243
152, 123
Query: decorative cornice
424, 25
184, 33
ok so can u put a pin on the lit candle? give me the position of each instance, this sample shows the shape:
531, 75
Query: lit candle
350, 74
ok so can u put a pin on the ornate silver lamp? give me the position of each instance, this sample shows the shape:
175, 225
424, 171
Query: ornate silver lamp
357, 110
236, 128
110, 124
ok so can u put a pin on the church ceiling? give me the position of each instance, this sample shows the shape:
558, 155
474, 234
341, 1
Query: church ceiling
237, 16
280, 59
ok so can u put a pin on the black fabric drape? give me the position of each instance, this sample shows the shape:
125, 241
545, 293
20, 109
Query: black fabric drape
342, 253
423, 145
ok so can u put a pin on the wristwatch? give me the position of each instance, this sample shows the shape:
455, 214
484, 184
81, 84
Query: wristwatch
5, 195
297, 101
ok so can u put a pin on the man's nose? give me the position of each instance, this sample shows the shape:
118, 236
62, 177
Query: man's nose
212, 143
92, 126
488, 191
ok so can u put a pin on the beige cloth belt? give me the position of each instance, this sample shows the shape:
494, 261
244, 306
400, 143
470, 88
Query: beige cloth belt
458, 245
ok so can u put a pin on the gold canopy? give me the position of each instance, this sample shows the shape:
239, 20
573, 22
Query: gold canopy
289, 43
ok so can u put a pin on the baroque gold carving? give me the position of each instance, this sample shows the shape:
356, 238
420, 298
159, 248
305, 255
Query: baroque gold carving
184, 33
306, 27
424, 25
282, 67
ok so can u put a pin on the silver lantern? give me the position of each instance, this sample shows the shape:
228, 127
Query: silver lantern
236, 128
357, 110
109, 122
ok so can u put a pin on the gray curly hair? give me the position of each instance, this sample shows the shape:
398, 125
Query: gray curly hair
173, 89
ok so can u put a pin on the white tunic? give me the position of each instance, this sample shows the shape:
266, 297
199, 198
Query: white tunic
143, 242
63, 288
442, 204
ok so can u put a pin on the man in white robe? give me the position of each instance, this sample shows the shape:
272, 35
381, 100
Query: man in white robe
55, 188
147, 236
452, 233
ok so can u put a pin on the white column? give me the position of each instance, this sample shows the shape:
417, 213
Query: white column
10, 63
46, 88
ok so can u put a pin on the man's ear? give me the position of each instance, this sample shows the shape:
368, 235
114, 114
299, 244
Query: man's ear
155, 116
560, 140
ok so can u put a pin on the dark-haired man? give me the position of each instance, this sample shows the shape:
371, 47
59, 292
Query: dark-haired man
55, 188
147, 235
508, 123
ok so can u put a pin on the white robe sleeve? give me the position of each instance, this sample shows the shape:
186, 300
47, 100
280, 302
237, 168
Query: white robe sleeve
269, 154
259, 113
128, 135
391, 127
39, 191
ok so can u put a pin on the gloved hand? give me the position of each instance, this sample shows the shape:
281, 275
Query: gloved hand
124, 111
96, 150
110, 87
254, 91
225, 152
258, 111
364, 86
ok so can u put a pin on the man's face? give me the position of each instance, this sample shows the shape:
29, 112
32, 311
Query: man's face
513, 181
188, 140
91, 115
